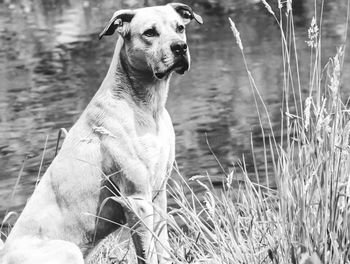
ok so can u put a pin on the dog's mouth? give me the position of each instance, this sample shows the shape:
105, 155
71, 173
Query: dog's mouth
180, 66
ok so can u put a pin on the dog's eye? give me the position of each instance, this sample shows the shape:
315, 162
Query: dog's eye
180, 28
152, 32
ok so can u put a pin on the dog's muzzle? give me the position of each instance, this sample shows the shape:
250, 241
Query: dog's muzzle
179, 49
181, 64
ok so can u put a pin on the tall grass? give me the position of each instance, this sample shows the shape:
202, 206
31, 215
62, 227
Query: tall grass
306, 218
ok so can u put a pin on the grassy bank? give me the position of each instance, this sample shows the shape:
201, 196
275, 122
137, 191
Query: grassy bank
306, 218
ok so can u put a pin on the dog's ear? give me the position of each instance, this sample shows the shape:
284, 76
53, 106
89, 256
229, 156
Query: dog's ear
118, 22
186, 13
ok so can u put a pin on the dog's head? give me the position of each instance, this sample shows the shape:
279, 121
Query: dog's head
154, 37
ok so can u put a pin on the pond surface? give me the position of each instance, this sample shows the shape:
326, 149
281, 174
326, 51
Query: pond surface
51, 64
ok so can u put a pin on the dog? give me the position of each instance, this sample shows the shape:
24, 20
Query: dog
114, 163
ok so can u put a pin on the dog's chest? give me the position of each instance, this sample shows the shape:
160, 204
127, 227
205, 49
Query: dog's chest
156, 152
142, 154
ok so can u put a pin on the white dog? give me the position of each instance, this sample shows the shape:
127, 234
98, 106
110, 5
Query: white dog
122, 146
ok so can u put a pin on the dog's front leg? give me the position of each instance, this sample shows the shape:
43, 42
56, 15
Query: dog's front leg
139, 215
160, 227
133, 181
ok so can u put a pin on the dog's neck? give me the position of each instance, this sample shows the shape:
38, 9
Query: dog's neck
140, 87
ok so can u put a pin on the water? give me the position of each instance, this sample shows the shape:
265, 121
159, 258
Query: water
51, 64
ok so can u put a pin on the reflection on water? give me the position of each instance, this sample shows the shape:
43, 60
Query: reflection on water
51, 64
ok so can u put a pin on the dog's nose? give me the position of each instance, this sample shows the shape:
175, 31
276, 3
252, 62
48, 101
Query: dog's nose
178, 48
